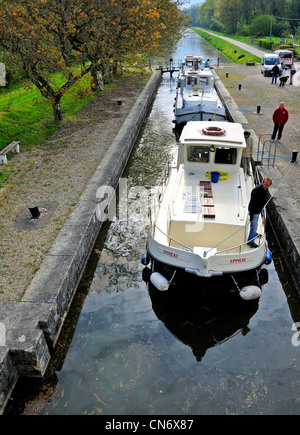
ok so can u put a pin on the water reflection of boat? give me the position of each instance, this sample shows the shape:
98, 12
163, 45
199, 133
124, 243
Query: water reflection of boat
196, 97
199, 214
202, 323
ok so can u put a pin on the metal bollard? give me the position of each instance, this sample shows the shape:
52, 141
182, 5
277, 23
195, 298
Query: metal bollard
294, 156
34, 210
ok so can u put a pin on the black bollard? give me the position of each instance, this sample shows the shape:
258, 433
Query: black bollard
226, 75
258, 109
294, 156
34, 210
240, 87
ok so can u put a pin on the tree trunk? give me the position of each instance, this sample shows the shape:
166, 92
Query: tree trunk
57, 112
94, 82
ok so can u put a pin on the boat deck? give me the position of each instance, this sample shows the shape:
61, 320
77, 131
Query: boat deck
198, 213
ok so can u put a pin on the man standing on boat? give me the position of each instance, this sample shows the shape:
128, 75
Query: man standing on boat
259, 196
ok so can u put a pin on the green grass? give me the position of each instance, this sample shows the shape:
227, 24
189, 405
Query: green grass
231, 51
3, 176
27, 117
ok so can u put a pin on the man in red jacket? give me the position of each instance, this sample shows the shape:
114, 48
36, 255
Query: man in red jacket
280, 117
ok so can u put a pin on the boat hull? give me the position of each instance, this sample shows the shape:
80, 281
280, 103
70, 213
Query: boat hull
208, 266
225, 288
200, 228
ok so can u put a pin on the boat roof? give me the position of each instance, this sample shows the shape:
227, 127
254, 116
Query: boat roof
192, 57
199, 72
233, 135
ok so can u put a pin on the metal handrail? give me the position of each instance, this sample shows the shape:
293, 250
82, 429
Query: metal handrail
174, 240
230, 249
259, 141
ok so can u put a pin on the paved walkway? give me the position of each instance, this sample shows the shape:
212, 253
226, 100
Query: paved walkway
253, 50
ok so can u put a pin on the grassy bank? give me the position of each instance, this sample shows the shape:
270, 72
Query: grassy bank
27, 117
231, 51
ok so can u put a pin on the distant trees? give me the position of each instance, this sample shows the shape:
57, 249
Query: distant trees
75, 37
250, 17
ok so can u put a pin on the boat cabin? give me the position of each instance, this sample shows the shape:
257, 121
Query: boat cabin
192, 62
196, 83
215, 145
212, 210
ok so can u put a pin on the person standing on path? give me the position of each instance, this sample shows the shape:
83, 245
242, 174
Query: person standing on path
280, 118
258, 199
275, 72
292, 72
247, 153
283, 77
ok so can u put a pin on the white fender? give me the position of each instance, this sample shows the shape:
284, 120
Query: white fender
159, 281
250, 292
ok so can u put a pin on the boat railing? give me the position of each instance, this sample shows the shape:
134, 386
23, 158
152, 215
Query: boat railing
174, 240
232, 248
240, 246
159, 191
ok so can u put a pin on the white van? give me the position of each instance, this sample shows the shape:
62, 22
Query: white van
267, 63
286, 57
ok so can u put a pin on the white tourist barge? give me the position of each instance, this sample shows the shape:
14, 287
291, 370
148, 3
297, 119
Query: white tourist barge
196, 97
200, 225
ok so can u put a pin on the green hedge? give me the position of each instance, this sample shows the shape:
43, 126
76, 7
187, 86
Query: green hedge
266, 44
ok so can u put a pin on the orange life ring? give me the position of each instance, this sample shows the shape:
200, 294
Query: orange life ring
214, 131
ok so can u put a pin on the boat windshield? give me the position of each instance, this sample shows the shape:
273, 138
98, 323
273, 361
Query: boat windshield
197, 81
198, 154
226, 155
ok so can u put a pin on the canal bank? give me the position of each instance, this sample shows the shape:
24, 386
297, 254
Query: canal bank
30, 328
56, 250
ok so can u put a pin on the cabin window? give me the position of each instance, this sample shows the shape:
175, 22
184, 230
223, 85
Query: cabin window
192, 81
203, 80
197, 154
226, 155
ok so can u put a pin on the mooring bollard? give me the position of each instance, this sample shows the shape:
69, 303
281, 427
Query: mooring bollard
34, 210
294, 156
